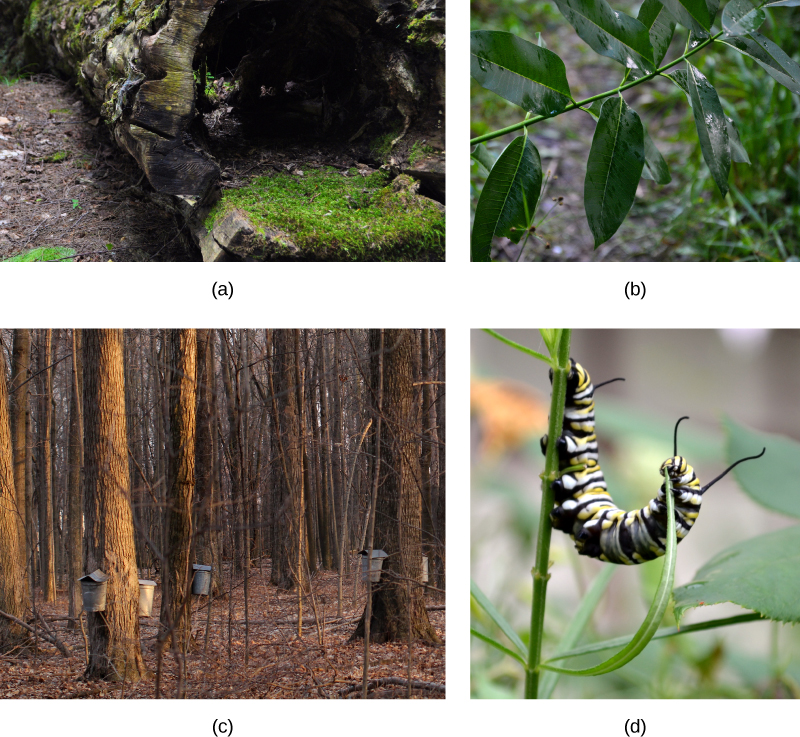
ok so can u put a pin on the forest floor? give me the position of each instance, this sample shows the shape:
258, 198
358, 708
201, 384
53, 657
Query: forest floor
65, 184
280, 664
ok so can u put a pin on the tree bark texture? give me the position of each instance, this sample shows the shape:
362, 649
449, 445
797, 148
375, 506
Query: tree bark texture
20, 392
176, 602
46, 537
115, 652
396, 614
13, 595
74, 492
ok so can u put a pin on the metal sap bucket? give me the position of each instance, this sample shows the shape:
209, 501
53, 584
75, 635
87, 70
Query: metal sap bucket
93, 591
146, 591
201, 580
377, 564
424, 569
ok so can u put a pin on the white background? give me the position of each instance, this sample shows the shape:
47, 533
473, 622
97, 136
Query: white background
457, 296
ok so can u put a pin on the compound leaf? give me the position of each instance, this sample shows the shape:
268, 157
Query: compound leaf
712, 126
509, 197
614, 168
521, 72
610, 32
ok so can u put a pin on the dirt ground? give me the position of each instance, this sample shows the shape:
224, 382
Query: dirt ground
280, 664
64, 183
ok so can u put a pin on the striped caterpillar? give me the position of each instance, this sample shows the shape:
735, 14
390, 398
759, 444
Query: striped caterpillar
584, 508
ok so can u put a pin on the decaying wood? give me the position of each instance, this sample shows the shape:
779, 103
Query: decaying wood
393, 681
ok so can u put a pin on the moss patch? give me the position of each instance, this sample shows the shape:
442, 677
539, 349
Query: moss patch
330, 216
43, 254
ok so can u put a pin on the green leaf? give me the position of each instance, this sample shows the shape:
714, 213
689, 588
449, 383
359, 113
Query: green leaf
712, 127
696, 15
496, 644
75, 204
576, 627
594, 109
509, 197
609, 32
615, 165
762, 574
483, 602
521, 72
740, 17
786, 3
521, 347
663, 633
540, 40
777, 63
655, 167
738, 152
657, 607
484, 157
770, 481
661, 26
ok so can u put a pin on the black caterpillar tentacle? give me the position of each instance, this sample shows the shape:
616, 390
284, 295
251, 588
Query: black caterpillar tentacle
584, 508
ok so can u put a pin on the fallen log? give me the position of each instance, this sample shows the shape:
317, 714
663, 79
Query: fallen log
393, 681
200, 90
45, 635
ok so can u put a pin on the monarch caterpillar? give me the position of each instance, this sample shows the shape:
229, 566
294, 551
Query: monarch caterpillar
584, 508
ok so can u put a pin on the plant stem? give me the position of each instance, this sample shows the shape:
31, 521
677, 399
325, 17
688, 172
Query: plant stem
540, 570
572, 106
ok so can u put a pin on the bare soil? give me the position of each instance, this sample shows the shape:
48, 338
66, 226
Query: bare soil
281, 664
63, 182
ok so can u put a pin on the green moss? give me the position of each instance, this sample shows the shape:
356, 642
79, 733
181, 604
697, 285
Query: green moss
419, 151
381, 146
31, 24
423, 30
60, 111
56, 157
43, 254
331, 216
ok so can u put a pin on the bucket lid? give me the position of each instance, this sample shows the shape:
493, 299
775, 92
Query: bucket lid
97, 576
375, 554
201, 568
143, 582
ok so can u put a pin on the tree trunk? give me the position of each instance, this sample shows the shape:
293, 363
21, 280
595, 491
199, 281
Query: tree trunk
176, 601
13, 596
398, 611
46, 544
115, 652
20, 391
75, 497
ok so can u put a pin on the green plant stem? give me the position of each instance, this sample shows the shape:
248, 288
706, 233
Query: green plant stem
518, 346
540, 571
589, 100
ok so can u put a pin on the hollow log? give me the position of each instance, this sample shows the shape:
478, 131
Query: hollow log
173, 78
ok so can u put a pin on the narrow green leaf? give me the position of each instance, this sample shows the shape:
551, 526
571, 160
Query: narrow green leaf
786, 3
521, 72
483, 602
738, 152
761, 574
657, 608
509, 197
770, 481
655, 167
615, 165
521, 347
740, 17
664, 632
495, 643
696, 15
540, 40
610, 32
552, 339
712, 127
660, 25
777, 63
484, 157
576, 627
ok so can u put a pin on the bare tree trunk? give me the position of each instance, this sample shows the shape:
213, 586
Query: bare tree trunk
46, 546
115, 652
398, 610
13, 596
20, 391
176, 601
75, 496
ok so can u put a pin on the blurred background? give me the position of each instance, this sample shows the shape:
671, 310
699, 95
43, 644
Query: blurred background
749, 375
688, 219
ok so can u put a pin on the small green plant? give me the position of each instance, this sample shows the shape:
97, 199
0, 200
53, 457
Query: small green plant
759, 574
56, 253
534, 78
